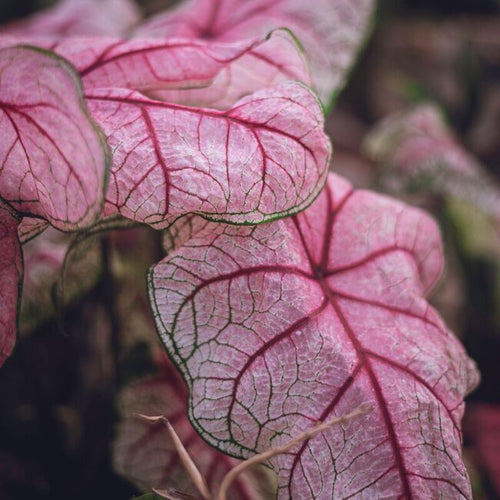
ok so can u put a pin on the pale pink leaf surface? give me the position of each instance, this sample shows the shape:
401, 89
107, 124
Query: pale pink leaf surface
79, 17
144, 453
331, 31
11, 275
417, 145
265, 157
53, 160
279, 326
190, 72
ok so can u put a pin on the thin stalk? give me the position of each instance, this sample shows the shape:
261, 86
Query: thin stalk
262, 457
186, 460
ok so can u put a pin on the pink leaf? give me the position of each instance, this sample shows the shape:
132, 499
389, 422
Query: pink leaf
331, 31
11, 275
144, 452
191, 72
279, 326
264, 158
79, 17
53, 159
419, 146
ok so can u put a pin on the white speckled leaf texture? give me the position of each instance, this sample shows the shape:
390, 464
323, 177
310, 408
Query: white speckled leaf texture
282, 325
53, 161
331, 31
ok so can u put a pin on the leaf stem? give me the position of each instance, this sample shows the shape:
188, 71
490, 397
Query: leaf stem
262, 457
186, 460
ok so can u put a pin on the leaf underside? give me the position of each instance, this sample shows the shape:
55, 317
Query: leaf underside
279, 326
266, 157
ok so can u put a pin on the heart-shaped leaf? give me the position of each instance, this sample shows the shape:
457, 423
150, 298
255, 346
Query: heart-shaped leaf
79, 17
191, 72
278, 326
145, 454
264, 158
331, 31
11, 275
53, 159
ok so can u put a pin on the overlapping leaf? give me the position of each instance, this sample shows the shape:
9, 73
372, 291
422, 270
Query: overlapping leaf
79, 17
11, 272
246, 164
31, 227
278, 326
144, 452
57, 270
331, 31
190, 72
52, 158
265, 157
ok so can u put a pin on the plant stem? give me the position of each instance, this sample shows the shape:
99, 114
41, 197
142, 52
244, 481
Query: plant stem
262, 457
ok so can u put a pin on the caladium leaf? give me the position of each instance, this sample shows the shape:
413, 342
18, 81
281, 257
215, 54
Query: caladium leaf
420, 151
331, 31
144, 453
52, 157
194, 72
191, 72
79, 17
281, 325
265, 157
11, 272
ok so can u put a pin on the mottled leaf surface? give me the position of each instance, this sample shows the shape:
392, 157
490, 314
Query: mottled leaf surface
52, 158
11, 275
279, 326
331, 31
419, 150
79, 17
191, 72
265, 157
144, 453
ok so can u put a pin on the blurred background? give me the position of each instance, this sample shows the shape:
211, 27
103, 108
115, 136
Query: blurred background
57, 392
